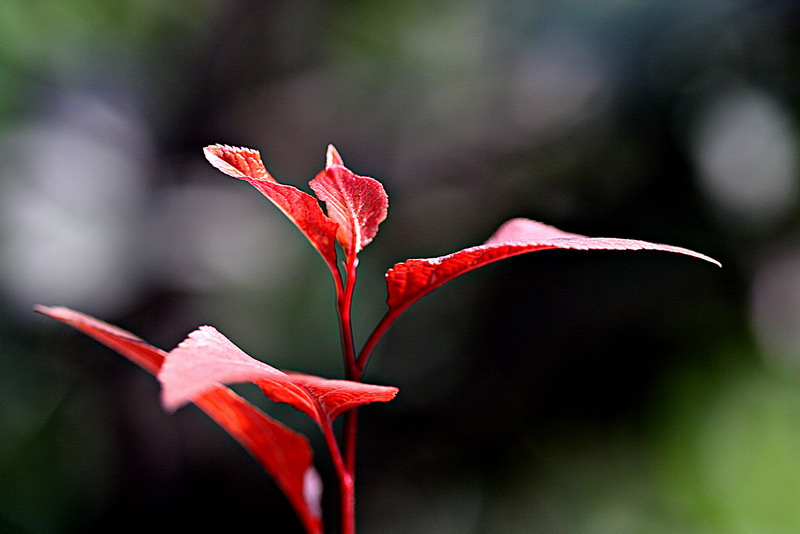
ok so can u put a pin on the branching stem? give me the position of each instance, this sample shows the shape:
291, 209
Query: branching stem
376, 335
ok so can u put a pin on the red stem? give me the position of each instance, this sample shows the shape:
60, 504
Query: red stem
374, 338
346, 479
344, 304
346, 466
352, 372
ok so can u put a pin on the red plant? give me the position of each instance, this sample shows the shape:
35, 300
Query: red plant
197, 368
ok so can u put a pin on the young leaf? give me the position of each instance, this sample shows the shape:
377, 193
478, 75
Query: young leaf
357, 203
207, 358
283, 453
410, 280
332, 157
301, 208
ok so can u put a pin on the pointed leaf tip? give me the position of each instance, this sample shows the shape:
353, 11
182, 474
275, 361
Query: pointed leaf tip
333, 157
129, 345
336, 396
410, 280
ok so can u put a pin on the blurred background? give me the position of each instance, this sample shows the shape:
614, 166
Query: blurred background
561, 391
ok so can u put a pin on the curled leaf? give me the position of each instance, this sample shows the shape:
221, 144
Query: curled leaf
412, 279
300, 207
357, 203
282, 452
207, 358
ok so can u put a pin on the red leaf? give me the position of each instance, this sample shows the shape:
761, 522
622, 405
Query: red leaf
412, 279
333, 158
207, 358
357, 203
129, 345
301, 208
336, 396
283, 453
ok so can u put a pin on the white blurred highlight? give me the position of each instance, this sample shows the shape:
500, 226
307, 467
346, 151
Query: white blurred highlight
775, 307
745, 150
224, 235
71, 192
556, 82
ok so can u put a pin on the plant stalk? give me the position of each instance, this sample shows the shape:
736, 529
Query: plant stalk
346, 463
346, 480
376, 335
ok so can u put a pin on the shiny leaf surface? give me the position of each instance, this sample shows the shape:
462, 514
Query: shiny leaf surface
207, 358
